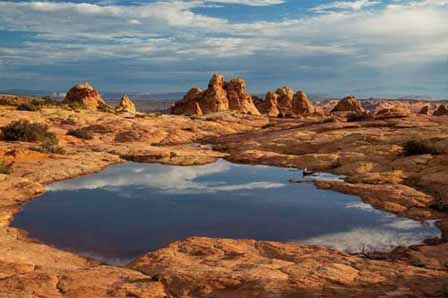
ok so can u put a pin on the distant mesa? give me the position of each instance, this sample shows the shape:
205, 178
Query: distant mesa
126, 105
84, 95
220, 96
348, 104
442, 110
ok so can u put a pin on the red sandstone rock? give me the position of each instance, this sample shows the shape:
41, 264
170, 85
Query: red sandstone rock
301, 104
348, 104
441, 110
85, 95
126, 105
220, 96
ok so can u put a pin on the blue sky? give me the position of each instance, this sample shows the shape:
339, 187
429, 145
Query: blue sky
363, 47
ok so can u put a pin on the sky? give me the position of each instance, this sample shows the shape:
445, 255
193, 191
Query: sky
380, 48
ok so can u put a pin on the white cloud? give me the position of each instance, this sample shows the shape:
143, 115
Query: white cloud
342, 5
249, 2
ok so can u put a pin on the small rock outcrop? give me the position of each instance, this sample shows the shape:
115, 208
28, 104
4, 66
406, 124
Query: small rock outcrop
284, 101
393, 112
348, 104
424, 110
84, 95
301, 104
220, 96
126, 105
442, 110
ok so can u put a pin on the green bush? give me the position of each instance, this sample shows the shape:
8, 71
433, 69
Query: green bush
81, 133
419, 147
23, 130
357, 116
5, 168
28, 107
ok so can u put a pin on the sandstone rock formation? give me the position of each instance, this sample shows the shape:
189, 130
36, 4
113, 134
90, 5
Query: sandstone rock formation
442, 110
126, 105
239, 99
301, 104
348, 104
425, 110
84, 95
220, 96
284, 101
394, 112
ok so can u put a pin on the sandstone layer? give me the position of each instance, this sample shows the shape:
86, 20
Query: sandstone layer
218, 97
84, 95
369, 152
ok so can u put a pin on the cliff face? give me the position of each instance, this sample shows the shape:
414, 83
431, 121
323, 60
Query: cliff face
220, 96
84, 95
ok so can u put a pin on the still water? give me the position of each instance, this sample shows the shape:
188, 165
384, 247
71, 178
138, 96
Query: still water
129, 209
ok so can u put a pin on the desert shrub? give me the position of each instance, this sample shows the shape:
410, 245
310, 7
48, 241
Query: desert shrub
49, 148
330, 120
354, 117
81, 133
28, 107
23, 130
418, 147
5, 168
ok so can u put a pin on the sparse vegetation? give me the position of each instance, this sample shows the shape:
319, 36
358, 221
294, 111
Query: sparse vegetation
28, 107
330, 120
23, 130
419, 147
49, 148
5, 168
355, 117
81, 133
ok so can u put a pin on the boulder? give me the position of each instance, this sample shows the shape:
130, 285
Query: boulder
441, 110
126, 105
301, 104
220, 96
84, 95
348, 104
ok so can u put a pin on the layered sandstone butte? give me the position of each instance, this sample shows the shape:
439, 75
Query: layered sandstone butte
301, 104
126, 105
220, 96
84, 95
284, 103
441, 110
348, 104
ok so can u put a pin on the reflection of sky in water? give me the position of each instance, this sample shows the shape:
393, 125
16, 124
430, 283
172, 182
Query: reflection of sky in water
132, 208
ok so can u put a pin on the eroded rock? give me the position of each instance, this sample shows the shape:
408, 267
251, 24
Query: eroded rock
126, 105
348, 104
84, 95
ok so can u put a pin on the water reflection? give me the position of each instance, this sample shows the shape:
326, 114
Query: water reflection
132, 208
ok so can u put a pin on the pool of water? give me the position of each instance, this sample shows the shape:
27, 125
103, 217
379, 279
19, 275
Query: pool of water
129, 209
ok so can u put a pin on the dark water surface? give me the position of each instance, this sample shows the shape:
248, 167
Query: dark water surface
133, 208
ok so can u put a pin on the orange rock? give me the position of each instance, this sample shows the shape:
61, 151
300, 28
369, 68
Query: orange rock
301, 104
85, 95
441, 110
126, 105
239, 99
284, 101
348, 104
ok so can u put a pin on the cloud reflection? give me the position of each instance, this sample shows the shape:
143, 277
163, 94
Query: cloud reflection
169, 179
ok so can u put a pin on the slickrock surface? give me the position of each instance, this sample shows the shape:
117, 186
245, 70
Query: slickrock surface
348, 104
368, 152
218, 97
84, 95
126, 105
